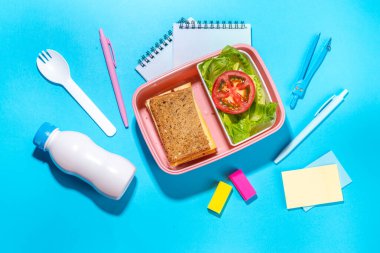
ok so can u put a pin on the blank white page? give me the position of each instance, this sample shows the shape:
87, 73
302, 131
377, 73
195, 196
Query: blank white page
190, 43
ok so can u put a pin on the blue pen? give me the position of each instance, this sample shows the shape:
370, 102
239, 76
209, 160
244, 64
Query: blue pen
309, 70
323, 112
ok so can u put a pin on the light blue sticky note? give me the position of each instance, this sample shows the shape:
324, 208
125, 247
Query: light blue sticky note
326, 159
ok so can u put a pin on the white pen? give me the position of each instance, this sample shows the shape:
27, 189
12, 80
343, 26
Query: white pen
326, 109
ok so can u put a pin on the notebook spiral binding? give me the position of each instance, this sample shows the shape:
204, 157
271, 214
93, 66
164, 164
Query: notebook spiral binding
156, 49
167, 38
185, 24
159, 46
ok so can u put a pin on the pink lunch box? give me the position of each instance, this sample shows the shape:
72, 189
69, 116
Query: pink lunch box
189, 73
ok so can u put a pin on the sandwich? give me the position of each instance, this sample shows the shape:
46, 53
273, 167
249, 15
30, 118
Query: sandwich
180, 125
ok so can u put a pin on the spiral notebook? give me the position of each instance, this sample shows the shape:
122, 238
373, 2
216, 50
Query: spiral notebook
192, 39
158, 59
189, 40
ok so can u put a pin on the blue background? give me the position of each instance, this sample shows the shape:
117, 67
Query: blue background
45, 210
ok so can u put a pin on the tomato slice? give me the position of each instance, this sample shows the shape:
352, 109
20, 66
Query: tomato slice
233, 92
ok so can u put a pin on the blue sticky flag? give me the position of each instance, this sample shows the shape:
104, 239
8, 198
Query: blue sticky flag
327, 159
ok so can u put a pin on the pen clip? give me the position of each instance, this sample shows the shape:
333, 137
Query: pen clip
324, 105
112, 54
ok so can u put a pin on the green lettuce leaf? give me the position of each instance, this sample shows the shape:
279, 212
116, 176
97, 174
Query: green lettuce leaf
260, 115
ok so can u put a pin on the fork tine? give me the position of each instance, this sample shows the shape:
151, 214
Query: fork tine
41, 58
45, 55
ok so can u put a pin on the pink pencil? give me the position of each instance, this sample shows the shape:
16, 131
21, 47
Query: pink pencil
111, 66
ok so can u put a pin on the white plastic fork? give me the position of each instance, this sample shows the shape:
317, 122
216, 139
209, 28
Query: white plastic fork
54, 67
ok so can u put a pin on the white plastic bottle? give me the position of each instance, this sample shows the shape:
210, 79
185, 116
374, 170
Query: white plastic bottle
76, 154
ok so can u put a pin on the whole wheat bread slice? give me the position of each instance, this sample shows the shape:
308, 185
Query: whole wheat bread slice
180, 125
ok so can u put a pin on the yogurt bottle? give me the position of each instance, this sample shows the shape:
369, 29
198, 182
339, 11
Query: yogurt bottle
76, 154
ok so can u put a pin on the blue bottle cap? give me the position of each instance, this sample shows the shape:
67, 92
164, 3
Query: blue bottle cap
43, 134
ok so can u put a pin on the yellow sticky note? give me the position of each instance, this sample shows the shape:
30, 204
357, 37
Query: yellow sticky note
312, 186
220, 197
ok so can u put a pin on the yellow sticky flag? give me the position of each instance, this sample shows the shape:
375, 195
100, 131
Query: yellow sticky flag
220, 197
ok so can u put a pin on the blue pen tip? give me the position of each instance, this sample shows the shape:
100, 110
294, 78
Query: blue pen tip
329, 44
293, 103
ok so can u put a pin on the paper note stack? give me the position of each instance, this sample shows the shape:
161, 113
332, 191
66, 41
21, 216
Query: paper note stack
315, 185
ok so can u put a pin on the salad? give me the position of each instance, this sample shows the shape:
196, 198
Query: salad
238, 94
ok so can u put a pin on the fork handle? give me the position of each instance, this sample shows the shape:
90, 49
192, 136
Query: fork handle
86, 103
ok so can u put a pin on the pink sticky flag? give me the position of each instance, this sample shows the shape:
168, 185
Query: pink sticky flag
242, 184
